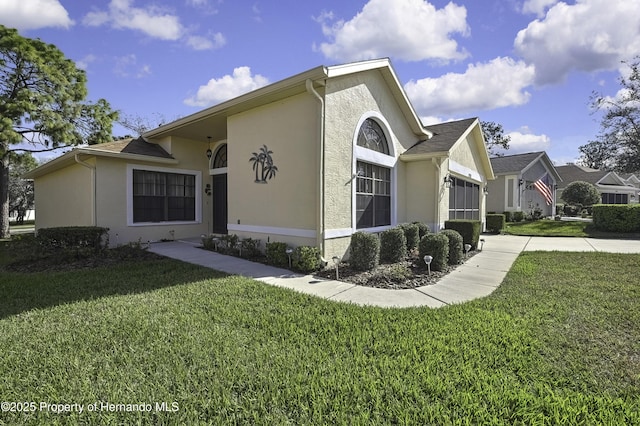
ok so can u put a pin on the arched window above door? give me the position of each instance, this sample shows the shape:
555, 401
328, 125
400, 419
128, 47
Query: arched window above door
220, 159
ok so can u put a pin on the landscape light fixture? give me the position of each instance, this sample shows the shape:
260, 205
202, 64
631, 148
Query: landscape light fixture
289, 250
467, 247
447, 181
428, 259
336, 260
481, 243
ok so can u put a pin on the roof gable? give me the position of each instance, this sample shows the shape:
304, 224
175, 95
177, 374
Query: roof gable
509, 164
445, 136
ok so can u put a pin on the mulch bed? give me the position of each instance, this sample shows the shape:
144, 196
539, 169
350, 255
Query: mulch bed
409, 274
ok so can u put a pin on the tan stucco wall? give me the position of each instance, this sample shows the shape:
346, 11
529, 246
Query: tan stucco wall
348, 101
64, 198
288, 202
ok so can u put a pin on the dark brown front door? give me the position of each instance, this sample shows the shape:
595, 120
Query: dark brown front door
219, 204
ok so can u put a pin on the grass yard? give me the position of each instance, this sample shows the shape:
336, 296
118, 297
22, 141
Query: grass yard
557, 343
562, 228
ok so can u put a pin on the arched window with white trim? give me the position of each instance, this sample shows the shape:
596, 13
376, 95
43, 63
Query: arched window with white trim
374, 176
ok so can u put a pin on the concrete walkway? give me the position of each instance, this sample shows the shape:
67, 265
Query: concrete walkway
476, 278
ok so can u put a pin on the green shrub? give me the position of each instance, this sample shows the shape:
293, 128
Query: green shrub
559, 209
456, 253
306, 259
582, 193
617, 217
469, 229
365, 251
250, 248
495, 222
518, 216
412, 235
423, 229
437, 246
570, 210
276, 253
508, 216
393, 245
75, 238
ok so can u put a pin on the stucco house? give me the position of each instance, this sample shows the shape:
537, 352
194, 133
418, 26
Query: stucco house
524, 182
308, 160
614, 188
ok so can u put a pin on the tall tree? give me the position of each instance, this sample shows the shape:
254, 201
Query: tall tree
495, 138
42, 105
617, 147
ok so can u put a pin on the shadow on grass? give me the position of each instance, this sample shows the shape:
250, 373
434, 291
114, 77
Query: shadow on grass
22, 291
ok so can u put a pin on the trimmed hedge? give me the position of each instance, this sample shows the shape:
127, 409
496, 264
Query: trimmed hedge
276, 253
306, 259
423, 229
508, 216
455, 246
412, 234
393, 245
365, 251
496, 222
78, 238
469, 229
437, 246
517, 216
617, 217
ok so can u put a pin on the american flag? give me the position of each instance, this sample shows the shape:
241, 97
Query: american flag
543, 185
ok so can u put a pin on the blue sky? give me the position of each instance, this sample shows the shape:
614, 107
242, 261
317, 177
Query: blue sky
529, 65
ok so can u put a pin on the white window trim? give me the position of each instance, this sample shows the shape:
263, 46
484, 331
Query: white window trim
196, 173
370, 156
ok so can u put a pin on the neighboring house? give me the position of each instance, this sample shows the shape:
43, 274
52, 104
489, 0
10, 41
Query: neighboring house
308, 160
613, 188
524, 182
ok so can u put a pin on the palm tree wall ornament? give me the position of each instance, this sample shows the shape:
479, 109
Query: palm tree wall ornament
263, 165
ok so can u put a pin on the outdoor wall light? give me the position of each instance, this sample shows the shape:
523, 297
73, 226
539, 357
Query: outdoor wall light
447, 181
467, 247
209, 154
521, 182
428, 259
207, 189
485, 190
336, 260
289, 250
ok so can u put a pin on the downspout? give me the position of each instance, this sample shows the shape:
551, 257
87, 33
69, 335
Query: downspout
437, 193
94, 209
320, 217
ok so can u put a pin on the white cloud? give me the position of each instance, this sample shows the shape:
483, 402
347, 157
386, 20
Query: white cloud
589, 35
152, 21
537, 7
206, 43
34, 14
498, 83
83, 63
227, 87
525, 141
410, 30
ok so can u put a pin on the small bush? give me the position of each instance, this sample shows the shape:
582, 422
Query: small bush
559, 209
437, 246
570, 210
365, 251
456, 253
518, 216
393, 246
495, 222
276, 253
306, 259
412, 235
469, 229
423, 229
79, 239
250, 248
508, 216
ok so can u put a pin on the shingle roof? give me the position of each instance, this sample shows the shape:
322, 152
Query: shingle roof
572, 173
137, 146
445, 135
514, 163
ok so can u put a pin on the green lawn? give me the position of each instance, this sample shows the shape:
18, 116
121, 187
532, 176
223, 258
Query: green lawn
550, 228
557, 343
